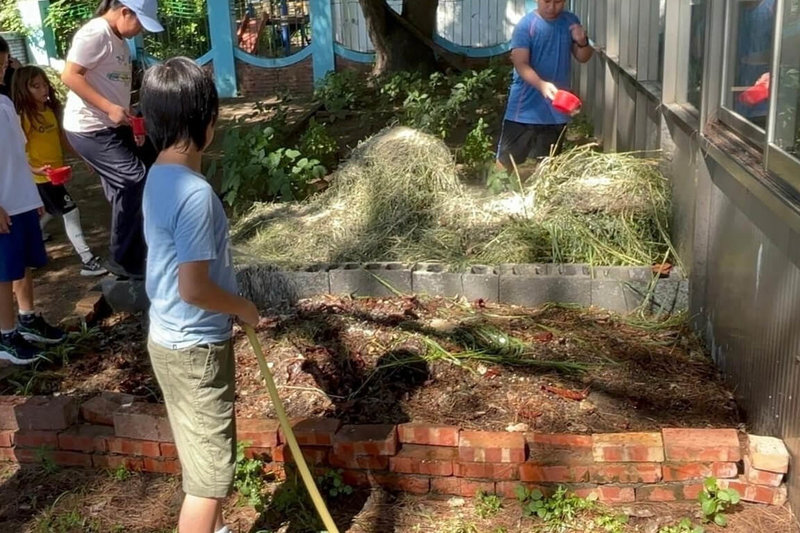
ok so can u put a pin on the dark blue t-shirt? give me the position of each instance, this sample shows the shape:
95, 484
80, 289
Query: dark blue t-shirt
550, 46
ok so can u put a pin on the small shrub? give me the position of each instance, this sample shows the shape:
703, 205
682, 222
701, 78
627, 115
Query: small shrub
318, 143
332, 484
487, 505
477, 151
248, 479
340, 91
684, 526
714, 501
559, 511
121, 473
611, 523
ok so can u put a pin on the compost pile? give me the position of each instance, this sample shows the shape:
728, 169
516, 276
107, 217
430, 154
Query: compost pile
399, 198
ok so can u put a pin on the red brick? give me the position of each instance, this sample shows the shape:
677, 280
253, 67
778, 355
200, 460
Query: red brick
7, 455
257, 432
145, 421
46, 413
85, 438
314, 455
6, 438
402, 482
690, 471
768, 453
608, 494
627, 448
493, 471
252, 452
8, 420
367, 439
701, 445
761, 477
359, 462
559, 449
168, 450
161, 466
355, 478
491, 447
29, 455
425, 460
750, 492
428, 434
781, 495
146, 448
71, 458
37, 439
660, 493
625, 473
507, 489
100, 409
460, 486
112, 462
313, 431
692, 490
536, 473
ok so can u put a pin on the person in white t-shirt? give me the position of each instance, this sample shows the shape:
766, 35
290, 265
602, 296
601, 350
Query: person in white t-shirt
21, 245
97, 121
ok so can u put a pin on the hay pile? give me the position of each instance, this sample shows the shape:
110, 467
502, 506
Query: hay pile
398, 198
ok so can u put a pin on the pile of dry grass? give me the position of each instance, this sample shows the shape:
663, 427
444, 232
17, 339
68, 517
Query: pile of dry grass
398, 198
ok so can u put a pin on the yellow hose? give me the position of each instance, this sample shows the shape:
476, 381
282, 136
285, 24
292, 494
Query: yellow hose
305, 473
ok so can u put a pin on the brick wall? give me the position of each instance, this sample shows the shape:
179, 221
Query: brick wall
346, 64
256, 81
111, 430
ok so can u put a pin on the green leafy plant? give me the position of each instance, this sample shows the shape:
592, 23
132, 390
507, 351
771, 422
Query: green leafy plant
340, 91
714, 501
498, 180
332, 484
477, 151
487, 505
248, 479
44, 456
684, 526
121, 473
317, 142
611, 523
64, 17
10, 18
559, 511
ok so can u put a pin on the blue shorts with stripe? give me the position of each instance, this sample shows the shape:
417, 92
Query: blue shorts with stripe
21, 248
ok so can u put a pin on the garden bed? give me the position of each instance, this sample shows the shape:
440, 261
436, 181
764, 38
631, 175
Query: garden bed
393, 360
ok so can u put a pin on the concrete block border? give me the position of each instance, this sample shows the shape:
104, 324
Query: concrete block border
618, 289
110, 430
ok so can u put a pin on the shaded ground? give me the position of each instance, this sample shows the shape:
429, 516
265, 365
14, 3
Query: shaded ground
74, 500
400, 359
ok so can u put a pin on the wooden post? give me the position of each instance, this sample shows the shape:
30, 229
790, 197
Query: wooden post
322, 56
220, 26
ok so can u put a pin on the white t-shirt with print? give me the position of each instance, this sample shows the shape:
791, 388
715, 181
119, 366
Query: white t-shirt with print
18, 193
107, 60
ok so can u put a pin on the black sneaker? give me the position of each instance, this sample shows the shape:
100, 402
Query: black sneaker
35, 329
120, 272
93, 267
14, 348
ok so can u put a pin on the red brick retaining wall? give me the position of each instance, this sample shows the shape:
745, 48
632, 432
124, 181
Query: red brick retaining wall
110, 430
255, 81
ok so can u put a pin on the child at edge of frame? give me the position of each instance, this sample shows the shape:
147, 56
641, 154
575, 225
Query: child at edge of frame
21, 247
192, 288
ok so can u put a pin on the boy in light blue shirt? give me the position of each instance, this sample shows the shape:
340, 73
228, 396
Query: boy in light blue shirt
192, 288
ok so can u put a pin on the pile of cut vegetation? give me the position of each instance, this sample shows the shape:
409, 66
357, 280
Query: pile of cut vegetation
398, 198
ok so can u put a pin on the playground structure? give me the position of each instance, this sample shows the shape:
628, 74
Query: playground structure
274, 28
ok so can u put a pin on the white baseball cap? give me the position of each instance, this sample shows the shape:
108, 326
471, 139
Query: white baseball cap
147, 13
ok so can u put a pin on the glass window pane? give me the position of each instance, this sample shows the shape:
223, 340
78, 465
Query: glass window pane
750, 59
787, 118
697, 45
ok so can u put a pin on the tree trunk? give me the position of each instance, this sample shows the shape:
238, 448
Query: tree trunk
397, 48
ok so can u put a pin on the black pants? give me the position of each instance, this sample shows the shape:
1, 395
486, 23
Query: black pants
122, 167
521, 141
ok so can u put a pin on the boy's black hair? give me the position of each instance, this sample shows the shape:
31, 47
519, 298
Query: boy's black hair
106, 6
4, 46
179, 100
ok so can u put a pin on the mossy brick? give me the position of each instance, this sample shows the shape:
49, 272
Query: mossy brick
8, 419
366, 439
491, 447
604, 473
698, 471
493, 471
532, 291
36, 439
559, 449
628, 448
761, 477
46, 413
313, 455
312, 431
768, 453
161, 466
100, 409
258, 432
429, 434
664, 492
67, 458
481, 282
85, 438
436, 279
754, 493
402, 482
139, 448
459, 486
507, 489
424, 460
112, 462
359, 462
701, 445
608, 493
143, 421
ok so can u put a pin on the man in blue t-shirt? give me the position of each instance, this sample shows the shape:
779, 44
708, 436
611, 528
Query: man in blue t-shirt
192, 289
541, 46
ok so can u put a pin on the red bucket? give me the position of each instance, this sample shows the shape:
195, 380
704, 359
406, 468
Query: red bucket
137, 123
755, 95
566, 102
60, 175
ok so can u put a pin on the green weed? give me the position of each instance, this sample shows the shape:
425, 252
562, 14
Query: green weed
487, 505
684, 526
714, 501
559, 511
248, 479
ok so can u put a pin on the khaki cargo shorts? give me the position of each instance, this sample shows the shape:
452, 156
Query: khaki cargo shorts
198, 387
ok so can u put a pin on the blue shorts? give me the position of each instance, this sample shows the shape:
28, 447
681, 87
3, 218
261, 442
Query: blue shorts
22, 248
